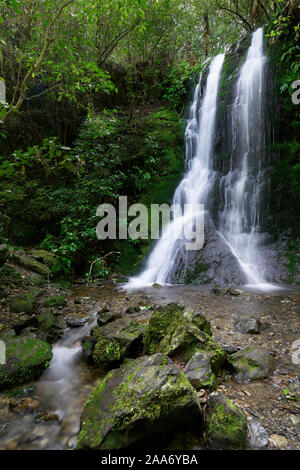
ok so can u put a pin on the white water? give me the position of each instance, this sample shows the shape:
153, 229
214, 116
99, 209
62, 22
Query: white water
242, 187
240, 190
196, 183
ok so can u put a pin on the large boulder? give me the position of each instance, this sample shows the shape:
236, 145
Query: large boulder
118, 339
214, 262
251, 363
26, 358
225, 424
178, 332
4, 252
23, 303
203, 367
146, 397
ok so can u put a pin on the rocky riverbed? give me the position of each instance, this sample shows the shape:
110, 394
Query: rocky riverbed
44, 413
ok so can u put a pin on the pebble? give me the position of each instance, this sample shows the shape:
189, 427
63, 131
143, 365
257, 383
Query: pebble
278, 441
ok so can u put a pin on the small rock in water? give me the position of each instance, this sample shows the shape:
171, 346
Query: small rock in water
156, 285
247, 325
258, 435
76, 322
230, 349
278, 441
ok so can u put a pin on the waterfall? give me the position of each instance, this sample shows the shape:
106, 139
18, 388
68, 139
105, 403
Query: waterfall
242, 187
196, 184
234, 240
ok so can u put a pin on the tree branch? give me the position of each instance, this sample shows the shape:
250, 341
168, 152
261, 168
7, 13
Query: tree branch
48, 40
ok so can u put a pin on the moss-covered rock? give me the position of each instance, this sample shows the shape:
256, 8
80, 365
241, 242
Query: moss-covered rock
55, 301
203, 368
47, 258
118, 339
26, 358
251, 363
179, 332
225, 425
22, 303
32, 264
145, 397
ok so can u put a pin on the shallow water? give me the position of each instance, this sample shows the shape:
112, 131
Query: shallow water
66, 384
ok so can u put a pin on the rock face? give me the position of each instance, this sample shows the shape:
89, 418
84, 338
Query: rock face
117, 340
22, 303
213, 263
202, 369
3, 254
145, 397
179, 332
250, 325
26, 358
225, 425
251, 363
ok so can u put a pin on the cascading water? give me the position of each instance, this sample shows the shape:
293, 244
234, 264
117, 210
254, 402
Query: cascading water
196, 183
235, 238
241, 188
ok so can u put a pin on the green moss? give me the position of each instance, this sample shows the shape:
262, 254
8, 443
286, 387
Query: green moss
131, 401
26, 358
31, 264
178, 332
191, 276
226, 426
22, 303
55, 301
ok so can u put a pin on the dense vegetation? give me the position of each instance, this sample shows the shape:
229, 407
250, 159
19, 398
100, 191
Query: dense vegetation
95, 102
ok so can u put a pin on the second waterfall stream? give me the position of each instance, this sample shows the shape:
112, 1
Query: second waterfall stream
239, 189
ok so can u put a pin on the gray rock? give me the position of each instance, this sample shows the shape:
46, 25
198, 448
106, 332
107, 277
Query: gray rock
201, 370
247, 325
74, 322
251, 363
146, 397
213, 263
107, 317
